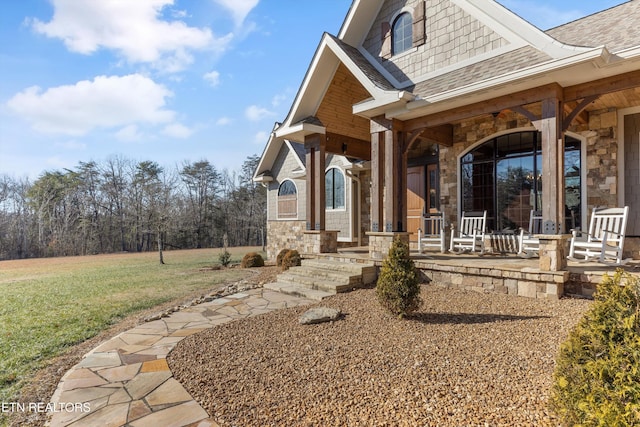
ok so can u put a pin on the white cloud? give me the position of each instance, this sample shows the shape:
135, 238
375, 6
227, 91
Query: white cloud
278, 99
129, 133
105, 102
132, 28
213, 78
177, 130
261, 138
238, 8
222, 121
256, 113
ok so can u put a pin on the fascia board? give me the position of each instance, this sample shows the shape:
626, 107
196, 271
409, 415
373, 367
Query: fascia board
314, 85
298, 131
268, 155
359, 20
376, 106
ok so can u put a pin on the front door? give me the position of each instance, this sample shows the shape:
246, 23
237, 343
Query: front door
415, 199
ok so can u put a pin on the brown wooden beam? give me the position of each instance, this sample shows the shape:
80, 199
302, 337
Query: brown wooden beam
577, 110
505, 102
603, 86
442, 135
377, 180
348, 146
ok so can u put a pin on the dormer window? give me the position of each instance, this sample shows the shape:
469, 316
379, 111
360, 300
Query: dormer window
401, 34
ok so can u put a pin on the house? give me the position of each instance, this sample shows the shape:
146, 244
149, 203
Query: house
451, 106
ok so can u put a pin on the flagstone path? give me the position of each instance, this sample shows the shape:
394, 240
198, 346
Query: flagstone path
127, 381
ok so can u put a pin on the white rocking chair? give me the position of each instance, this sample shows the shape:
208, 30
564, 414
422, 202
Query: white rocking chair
470, 235
528, 244
431, 234
605, 240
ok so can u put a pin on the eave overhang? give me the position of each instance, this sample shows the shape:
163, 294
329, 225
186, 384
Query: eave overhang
586, 66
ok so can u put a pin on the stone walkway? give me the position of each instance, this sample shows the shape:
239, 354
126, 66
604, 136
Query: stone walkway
127, 381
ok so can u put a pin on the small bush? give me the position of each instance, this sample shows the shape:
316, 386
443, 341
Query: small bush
252, 259
398, 287
224, 258
597, 377
291, 259
280, 256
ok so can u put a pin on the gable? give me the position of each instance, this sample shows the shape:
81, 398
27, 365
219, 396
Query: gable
451, 36
335, 111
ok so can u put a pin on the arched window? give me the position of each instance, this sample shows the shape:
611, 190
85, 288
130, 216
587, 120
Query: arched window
504, 177
334, 189
287, 200
401, 35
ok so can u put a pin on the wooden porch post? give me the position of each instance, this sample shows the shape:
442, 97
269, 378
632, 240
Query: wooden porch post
552, 166
395, 171
552, 242
316, 197
377, 177
388, 186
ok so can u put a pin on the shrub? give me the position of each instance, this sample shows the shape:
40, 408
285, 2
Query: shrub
224, 258
252, 259
291, 259
597, 377
398, 287
280, 256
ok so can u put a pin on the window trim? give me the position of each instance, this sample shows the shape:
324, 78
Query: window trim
290, 216
405, 12
344, 189
583, 161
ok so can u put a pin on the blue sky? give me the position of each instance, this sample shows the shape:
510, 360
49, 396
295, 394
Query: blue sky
162, 80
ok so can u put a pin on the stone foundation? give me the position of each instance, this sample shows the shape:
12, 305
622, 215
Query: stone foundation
284, 235
531, 284
380, 243
320, 241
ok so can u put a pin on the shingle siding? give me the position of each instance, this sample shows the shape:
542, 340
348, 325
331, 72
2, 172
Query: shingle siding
452, 36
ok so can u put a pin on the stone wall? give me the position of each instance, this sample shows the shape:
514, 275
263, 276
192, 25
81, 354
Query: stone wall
284, 235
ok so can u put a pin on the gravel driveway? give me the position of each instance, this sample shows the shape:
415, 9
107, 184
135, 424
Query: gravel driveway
466, 359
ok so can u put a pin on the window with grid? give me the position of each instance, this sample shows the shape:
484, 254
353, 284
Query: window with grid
402, 33
503, 176
334, 189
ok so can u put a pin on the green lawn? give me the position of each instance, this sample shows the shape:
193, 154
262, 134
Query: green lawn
50, 304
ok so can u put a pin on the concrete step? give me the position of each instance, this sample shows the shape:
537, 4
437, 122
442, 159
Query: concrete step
299, 291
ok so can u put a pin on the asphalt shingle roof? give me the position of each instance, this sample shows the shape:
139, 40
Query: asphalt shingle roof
616, 28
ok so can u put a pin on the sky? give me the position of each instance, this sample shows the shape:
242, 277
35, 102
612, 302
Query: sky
170, 81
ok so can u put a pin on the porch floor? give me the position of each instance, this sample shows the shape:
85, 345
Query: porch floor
497, 272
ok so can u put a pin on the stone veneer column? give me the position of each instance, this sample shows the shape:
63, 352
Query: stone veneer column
553, 252
380, 243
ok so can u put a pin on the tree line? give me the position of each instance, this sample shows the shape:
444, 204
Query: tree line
124, 205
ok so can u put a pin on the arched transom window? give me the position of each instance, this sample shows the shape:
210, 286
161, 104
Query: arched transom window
287, 200
504, 177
